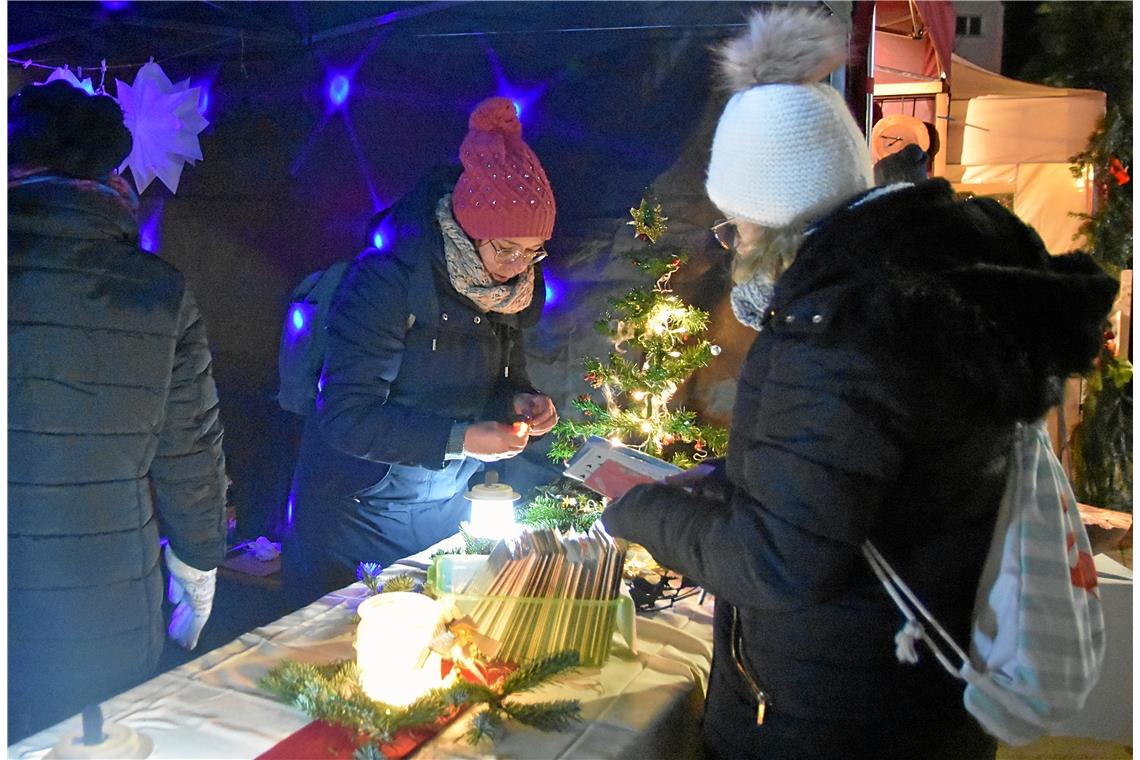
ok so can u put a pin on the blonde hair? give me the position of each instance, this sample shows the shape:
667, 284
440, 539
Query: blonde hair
771, 252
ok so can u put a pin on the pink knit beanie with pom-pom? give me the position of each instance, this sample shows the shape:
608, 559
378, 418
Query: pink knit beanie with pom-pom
503, 191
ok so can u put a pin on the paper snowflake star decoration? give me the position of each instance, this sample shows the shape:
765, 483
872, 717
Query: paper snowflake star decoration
66, 75
164, 122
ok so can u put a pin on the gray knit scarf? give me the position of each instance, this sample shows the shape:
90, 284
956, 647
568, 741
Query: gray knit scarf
750, 300
468, 275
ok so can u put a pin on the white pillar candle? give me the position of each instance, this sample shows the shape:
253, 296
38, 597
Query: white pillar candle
392, 641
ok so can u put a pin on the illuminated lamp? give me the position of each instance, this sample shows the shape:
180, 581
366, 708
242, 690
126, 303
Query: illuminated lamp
492, 508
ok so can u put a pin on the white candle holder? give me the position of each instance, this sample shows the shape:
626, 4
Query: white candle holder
392, 646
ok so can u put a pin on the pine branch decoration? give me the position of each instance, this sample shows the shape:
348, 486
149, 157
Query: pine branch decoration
548, 716
333, 693
563, 506
531, 675
405, 582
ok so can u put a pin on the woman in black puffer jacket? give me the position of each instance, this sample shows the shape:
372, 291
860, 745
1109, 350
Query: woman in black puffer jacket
113, 428
902, 333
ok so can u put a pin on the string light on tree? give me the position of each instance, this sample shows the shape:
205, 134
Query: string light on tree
658, 341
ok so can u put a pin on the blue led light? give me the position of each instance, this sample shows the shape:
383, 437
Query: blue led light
554, 290
298, 318
338, 89
378, 240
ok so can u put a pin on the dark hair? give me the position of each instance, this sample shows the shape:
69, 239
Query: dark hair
64, 129
906, 165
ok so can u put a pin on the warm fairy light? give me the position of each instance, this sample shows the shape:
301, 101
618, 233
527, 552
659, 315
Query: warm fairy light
646, 426
663, 314
522, 428
616, 441
675, 354
396, 664
638, 395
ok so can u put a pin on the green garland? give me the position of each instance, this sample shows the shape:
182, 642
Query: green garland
333, 693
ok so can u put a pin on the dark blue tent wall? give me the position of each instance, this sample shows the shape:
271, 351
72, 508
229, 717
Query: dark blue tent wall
613, 92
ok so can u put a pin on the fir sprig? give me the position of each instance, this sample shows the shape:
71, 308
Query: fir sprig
562, 506
405, 582
549, 716
333, 693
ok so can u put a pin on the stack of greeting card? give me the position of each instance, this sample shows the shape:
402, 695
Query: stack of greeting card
545, 592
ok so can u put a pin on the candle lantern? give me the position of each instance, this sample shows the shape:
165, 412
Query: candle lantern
492, 509
392, 646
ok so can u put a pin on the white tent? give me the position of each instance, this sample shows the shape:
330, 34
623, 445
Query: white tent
1014, 139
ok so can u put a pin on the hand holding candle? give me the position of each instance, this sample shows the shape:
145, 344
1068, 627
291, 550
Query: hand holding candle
537, 410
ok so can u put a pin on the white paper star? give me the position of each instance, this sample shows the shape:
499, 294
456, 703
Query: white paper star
164, 123
71, 79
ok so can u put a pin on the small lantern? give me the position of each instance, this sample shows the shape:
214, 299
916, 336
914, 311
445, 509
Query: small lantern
492, 508
393, 642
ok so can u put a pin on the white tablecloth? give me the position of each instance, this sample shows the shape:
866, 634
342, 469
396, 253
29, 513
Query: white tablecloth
639, 705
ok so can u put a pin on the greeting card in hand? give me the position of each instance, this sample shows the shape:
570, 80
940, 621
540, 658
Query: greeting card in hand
611, 470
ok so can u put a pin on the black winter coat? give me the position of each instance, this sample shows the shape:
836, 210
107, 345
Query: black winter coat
407, 355
110, 400
878, 401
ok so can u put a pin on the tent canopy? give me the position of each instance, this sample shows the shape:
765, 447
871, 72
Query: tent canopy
1016, 139
998, 120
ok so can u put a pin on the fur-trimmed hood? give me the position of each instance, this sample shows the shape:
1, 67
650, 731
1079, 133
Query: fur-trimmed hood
960, 288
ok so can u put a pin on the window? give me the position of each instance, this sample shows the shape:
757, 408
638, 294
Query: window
968, 26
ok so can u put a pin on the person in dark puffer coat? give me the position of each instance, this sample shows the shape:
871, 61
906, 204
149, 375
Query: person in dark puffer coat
425, 367
113, 428
902, 334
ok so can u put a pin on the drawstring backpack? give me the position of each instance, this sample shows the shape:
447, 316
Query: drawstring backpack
1037, 632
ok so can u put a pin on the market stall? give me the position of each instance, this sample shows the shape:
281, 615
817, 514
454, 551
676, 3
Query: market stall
643, 703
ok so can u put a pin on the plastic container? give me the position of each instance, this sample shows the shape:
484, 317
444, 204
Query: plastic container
530, 627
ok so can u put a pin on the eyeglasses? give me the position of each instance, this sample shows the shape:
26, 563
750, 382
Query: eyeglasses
725, 233
511, 255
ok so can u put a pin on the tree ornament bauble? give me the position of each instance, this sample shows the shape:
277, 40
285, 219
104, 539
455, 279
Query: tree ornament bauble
715, 350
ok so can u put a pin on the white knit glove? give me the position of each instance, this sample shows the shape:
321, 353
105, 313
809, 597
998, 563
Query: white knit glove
192, 590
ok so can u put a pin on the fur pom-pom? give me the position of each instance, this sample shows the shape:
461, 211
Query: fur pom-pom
496, 115
783, 45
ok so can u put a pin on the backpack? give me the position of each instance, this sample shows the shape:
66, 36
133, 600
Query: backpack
1037, 631
301, 353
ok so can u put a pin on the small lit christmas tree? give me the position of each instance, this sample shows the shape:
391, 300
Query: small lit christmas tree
658, 342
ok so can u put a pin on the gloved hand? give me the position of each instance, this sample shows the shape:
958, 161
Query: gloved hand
709, 480
192, 590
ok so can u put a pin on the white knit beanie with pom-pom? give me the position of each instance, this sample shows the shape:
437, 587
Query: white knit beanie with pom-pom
786, 149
